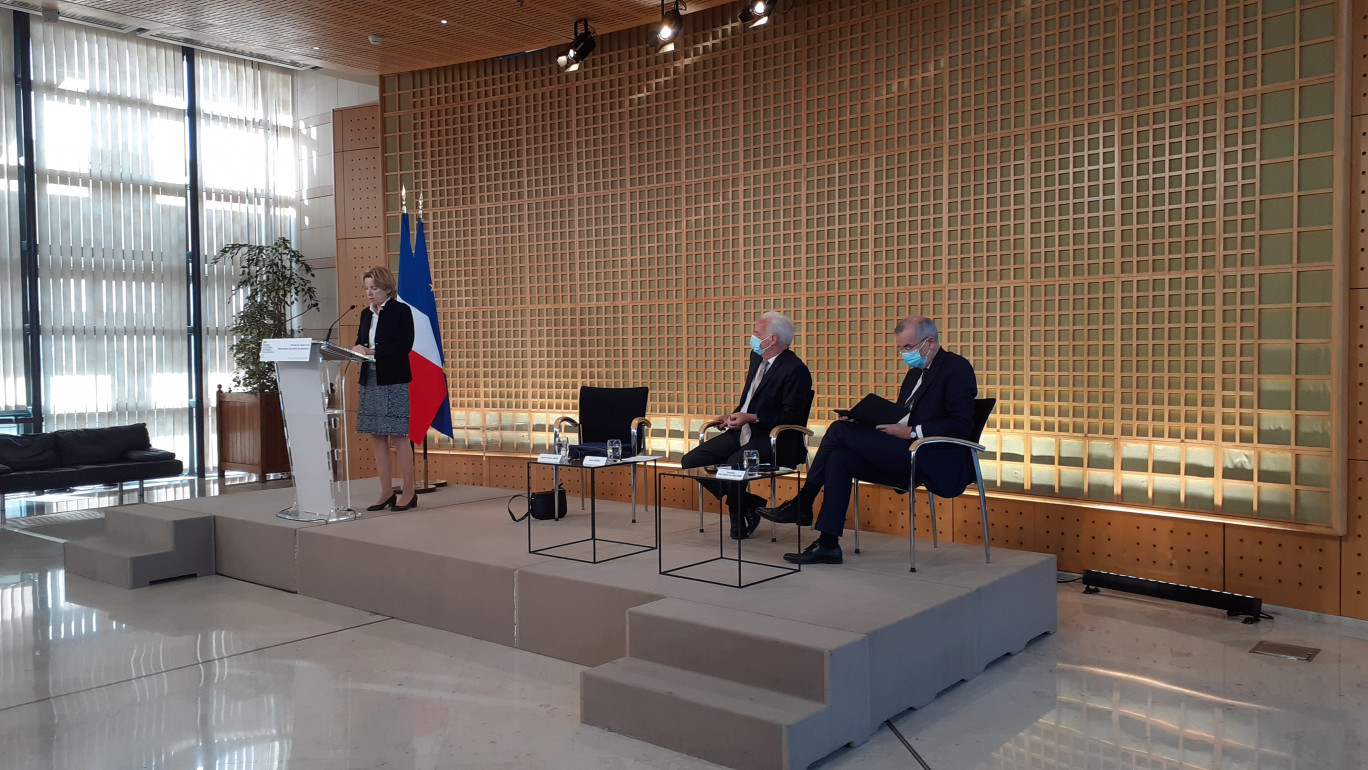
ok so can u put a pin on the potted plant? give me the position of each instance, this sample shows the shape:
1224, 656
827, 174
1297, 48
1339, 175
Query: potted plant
271, 280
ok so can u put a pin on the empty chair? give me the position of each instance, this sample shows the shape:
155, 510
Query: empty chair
605, 414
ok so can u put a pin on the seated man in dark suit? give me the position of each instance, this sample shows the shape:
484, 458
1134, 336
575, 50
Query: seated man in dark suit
938, 392
777, 392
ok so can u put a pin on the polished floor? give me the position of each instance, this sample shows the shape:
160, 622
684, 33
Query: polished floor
216, 673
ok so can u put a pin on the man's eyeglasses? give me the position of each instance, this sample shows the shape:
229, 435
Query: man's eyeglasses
908, 348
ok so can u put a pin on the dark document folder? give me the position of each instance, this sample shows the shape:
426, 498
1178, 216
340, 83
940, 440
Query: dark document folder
875, 410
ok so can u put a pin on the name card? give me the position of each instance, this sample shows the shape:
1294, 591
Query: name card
731, 474
592, 461
287, 349
552, 458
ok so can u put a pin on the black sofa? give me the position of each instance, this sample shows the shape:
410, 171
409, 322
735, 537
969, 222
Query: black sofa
68, 458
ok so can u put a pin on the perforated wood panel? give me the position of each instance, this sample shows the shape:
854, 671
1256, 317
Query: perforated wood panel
1175, 550
1285, 568
1358, 206
1011, 523
1354, 546
356, 128
1358, 375
1358, 87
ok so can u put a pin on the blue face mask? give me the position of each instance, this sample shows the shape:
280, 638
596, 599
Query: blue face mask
913, 358
755, 346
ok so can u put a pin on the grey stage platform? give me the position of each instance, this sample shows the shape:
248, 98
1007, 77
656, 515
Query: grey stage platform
776, 675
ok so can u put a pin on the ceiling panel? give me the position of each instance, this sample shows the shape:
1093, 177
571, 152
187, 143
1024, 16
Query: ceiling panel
334, 33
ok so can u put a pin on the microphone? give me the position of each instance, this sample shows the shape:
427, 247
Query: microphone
334, 323
312, 306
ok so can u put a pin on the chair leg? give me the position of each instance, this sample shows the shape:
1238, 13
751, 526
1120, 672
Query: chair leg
912, 528
700, 509
983, 508
2, 508
935, 542
581, 489
142, 493
855, 488
774, 528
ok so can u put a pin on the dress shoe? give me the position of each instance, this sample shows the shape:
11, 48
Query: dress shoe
816, 554
745, 521
411, 504
384, 505
787, 512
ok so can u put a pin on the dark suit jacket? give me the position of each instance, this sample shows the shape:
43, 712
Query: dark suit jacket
943, 406
393, 341
783, 398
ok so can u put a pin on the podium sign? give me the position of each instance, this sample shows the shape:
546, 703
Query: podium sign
313, 398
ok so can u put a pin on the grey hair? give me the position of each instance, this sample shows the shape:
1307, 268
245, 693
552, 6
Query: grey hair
926, 327
780, 326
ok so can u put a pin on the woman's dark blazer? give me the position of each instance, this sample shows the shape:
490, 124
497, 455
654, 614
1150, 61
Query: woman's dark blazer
393, 341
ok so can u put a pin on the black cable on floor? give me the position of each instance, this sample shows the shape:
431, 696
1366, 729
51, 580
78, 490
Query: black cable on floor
907, 745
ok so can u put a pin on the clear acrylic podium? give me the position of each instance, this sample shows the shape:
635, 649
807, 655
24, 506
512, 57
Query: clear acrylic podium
313, 397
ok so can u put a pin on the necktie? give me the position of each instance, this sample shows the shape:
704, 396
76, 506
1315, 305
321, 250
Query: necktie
745, 407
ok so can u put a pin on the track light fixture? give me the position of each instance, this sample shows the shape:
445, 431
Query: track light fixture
667, 32
755, 13
580, 49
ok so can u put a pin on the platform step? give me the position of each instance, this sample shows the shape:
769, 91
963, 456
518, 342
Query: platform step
151, 527
723, 721
785, 656
144, 544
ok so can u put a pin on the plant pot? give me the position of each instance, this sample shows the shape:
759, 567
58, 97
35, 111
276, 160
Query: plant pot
251, 434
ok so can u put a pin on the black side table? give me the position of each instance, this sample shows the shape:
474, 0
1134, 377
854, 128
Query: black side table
631, 463
739, 486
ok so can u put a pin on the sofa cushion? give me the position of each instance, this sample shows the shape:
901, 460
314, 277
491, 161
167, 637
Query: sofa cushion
39, 480
30, 452
148, 455
117, 473
94, 446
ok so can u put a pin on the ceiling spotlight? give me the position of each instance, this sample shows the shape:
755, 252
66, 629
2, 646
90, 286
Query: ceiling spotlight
755, 13
670, 23
580, 48
375, 39
444, 21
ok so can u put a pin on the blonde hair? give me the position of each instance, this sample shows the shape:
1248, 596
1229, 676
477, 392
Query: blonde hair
381, 277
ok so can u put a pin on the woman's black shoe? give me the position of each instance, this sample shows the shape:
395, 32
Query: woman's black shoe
382, 506
412, 504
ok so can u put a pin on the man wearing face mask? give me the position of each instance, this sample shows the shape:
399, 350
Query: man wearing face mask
776, 392
938, 392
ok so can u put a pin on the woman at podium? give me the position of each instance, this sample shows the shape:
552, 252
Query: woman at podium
386, 332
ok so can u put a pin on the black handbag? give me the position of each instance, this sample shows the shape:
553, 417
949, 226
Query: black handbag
541, 506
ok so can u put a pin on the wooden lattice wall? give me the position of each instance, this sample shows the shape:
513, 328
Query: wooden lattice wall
1133, 216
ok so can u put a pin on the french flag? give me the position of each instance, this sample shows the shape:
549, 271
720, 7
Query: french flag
429, 404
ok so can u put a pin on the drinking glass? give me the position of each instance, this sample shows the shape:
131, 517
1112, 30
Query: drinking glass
563, 447
750, 460
614, 450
